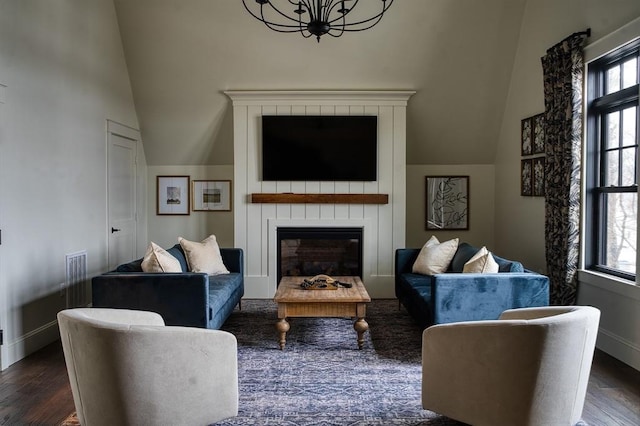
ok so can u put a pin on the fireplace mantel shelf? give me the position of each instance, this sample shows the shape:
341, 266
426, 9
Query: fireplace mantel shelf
293, 198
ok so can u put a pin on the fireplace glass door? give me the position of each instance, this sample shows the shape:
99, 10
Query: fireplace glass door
313, 251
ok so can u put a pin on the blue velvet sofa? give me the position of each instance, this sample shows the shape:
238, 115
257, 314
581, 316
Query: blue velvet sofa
182, 299
455, 296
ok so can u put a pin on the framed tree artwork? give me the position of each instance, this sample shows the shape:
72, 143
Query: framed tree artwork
172, 197
526, 135
447, 202
526, 177
537, 172
538, 133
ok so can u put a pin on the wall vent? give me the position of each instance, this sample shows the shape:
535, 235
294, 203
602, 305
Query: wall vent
76, 280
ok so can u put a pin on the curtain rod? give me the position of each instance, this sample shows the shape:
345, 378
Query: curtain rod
586, 32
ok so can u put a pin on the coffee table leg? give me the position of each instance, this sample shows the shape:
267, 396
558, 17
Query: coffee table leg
282, 326
361, 326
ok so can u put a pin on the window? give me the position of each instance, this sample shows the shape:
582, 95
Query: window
612, 142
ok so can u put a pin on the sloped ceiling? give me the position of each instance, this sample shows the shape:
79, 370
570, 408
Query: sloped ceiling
457, 55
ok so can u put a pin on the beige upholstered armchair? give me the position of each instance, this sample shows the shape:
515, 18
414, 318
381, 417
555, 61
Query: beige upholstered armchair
127, 368
530, 367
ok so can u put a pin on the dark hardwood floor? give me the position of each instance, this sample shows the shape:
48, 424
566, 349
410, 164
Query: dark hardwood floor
35, 391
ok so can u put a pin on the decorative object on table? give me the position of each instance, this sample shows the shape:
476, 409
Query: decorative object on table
537, 168
447, 202
323, 282
314, 17
538, 133
172, 197
526, 177
526, 136
211, 195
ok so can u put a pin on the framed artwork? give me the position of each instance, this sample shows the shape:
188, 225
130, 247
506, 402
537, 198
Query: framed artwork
537, 167
526, 178
538, 133
211, 195
526, 136
173, 195
447, 202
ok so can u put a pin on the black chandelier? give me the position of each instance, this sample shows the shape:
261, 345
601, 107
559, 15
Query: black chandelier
312, 17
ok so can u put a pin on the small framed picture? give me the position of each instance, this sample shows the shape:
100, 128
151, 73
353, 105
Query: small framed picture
526, 178
447, 202
537, 168
538, 134
173, 195
526, 136
211, 195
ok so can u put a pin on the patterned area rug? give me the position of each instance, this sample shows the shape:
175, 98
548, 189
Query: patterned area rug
321, 378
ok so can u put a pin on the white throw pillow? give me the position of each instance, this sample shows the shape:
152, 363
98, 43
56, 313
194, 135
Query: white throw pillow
435, 257
157, 259
481, 262
203, 256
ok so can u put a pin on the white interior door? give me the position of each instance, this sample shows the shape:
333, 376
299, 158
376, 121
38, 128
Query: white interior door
122, 147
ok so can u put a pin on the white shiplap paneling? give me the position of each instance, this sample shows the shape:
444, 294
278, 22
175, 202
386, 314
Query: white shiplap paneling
256, 224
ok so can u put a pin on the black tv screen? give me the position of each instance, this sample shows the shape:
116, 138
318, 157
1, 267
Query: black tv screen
319, 148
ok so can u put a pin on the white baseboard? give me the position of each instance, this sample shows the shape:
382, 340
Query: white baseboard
619, 347
31, 342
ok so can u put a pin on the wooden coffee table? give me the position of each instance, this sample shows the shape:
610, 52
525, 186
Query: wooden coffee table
294, 301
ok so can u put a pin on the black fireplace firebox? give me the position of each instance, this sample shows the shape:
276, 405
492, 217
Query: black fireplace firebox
319, 250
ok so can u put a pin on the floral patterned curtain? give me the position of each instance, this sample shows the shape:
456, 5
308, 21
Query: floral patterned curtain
563, 81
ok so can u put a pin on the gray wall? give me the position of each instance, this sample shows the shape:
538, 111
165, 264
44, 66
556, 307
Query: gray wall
63, 66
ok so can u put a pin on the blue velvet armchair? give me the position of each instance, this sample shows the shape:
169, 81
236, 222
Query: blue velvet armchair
455, 296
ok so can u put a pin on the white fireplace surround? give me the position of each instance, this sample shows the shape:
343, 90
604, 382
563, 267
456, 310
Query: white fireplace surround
255, 224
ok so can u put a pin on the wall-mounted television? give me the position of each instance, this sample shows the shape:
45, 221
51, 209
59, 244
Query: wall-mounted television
319, 148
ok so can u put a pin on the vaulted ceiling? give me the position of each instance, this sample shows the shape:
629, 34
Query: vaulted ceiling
457, 54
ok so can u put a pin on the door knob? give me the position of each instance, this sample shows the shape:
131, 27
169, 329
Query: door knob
114, 230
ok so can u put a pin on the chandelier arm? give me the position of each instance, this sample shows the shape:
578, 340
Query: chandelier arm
308, 5
296, 20
330, 7
340, 29
284, 29
265, 21
353, 30
319, 15
352, 6
365, 21
304, 4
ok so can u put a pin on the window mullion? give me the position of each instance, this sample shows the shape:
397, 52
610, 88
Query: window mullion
620, 139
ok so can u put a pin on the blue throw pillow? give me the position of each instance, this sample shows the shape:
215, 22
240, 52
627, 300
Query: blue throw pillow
465, 252
177, 252
134, 266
